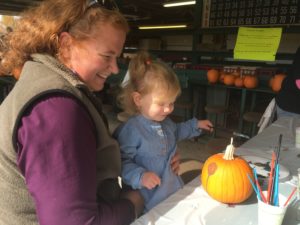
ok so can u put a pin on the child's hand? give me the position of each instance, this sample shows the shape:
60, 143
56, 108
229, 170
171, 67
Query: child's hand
150, 180
206, 125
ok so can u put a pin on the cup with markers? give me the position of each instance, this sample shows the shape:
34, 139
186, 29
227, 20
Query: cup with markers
272, 205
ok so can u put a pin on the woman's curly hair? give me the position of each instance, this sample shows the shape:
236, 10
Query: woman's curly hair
38, 29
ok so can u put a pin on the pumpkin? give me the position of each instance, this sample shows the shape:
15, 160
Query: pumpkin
221, 78
213, 76
271, 82
277, 81
237, 73
229, 79
250, 81
224, 177
239, 82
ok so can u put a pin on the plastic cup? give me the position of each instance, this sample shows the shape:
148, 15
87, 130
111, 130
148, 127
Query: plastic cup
269, 214
297, 137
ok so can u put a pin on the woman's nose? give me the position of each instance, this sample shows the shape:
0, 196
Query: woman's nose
114, 66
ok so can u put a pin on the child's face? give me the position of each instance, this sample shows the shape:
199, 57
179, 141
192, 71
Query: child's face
155, 106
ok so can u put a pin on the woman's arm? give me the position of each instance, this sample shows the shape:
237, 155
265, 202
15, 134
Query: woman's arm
57, 158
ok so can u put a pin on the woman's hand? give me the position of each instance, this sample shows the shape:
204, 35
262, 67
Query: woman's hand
175, 162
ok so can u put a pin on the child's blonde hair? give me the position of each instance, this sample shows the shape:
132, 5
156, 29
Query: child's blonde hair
148, 75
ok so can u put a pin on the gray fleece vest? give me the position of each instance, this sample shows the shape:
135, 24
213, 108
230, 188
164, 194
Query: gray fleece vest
40, 77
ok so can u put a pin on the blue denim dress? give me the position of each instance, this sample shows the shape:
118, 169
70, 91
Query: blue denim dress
149, 146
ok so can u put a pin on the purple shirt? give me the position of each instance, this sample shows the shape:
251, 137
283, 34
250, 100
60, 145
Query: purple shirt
57, 156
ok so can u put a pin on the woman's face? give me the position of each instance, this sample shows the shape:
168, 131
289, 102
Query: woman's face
94, 60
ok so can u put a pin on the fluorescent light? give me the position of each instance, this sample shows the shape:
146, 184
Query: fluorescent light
163, 27
130, 48
173, 4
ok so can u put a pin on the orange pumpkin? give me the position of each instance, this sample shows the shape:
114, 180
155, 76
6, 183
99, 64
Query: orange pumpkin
213, 76
237, 73
224, 177
277, 81
229, 79
250, 81
221, 78
271, 82
239, 82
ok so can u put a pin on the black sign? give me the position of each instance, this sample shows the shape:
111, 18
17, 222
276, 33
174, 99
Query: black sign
224, 13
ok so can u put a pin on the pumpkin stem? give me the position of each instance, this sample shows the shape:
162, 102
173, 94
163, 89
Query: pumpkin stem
228, 155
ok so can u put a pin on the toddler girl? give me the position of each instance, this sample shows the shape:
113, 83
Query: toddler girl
148, 139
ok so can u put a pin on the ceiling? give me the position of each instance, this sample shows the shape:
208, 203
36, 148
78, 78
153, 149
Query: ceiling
152, 12
137, 12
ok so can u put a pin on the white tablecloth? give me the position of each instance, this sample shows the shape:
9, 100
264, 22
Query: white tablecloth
264, 143
193, 206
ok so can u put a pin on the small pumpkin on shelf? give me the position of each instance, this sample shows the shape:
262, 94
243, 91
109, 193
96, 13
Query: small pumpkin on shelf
276, 81
224, 177
213, 76
221, 77
239, 81
229, 79
250, 81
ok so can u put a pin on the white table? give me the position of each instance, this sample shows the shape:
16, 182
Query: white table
193, 206
264, 143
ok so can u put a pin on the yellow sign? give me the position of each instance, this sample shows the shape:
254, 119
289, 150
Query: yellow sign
257, 43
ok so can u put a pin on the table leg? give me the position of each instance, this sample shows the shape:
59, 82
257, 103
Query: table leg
253, 101
199, 100
242, 109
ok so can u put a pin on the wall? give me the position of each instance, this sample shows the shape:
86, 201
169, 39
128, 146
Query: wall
178, 42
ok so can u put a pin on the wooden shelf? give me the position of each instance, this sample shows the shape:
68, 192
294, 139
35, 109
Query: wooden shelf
222, 57
234, 30
219, 54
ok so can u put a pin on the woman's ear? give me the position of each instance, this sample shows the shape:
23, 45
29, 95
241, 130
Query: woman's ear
65, 41
136, 98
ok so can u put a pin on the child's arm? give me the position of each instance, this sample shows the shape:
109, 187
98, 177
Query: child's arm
132, 173
128, 140
190, 128
205, 125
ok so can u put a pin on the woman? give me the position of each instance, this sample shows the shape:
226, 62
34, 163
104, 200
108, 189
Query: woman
58, 162
289, 94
